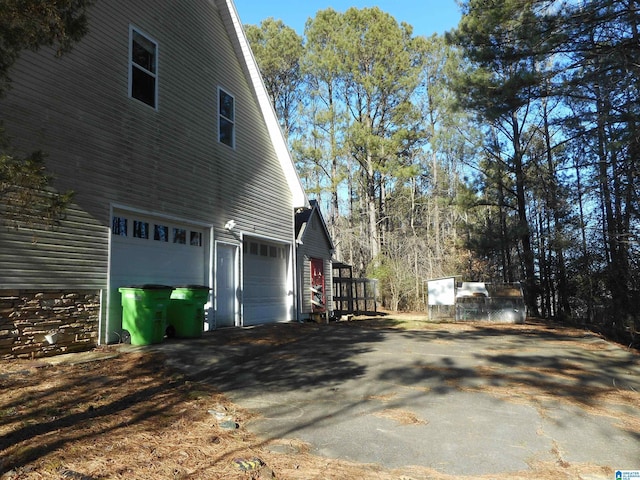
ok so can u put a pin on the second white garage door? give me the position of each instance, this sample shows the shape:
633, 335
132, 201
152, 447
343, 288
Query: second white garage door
266, 296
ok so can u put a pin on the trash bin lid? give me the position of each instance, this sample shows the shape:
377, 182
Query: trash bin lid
150, 286
194, 287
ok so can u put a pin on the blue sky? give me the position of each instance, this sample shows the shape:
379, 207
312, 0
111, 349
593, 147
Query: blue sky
426, 16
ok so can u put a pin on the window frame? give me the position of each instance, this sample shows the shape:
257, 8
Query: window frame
221, 117
119, 226
132, 65
140, 229
161, 232
179, 235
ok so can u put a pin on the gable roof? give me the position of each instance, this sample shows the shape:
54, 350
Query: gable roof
303, 217
239, 40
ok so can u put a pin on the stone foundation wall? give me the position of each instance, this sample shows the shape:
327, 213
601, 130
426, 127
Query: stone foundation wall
45, 323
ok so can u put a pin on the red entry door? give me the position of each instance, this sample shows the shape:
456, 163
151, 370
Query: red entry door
318, 296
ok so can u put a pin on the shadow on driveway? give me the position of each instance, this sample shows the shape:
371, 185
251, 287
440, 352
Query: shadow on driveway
460, 399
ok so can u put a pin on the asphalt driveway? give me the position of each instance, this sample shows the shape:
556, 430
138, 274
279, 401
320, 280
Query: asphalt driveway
461, 400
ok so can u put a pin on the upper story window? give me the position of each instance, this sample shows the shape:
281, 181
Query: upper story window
226, 118
143, 68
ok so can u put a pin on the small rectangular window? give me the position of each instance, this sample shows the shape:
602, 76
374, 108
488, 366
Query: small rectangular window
119, 226
196, 239
180, 236
273, 252
161, 233
264, 250
226, 118
143, 68
140, 229
253, 248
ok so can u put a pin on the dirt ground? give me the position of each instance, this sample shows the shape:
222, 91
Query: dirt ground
116, 415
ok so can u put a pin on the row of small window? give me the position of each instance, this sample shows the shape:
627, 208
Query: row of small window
143, 83
264, 250
120, 227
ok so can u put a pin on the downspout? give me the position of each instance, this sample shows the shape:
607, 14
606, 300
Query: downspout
100, 316
212, 320
106, 315
240, 301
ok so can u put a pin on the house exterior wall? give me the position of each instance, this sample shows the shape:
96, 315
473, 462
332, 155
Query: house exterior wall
112, 150
315, 245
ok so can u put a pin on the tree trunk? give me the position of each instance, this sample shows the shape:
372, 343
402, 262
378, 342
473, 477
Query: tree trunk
563, 284
372, 210
524, 233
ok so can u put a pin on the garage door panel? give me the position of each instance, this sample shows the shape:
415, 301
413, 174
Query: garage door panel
265, 294
264, 313
148, 263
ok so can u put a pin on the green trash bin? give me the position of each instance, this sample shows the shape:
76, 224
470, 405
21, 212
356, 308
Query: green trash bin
144, 312
185, 314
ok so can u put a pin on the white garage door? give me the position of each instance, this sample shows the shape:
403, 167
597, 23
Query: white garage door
148, 250
265, 294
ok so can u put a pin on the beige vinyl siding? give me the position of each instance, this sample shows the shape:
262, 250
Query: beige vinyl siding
328, 282
26, 253
315, 245
111, 149
305, 266
241, 45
